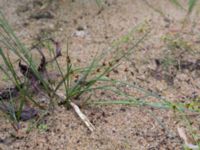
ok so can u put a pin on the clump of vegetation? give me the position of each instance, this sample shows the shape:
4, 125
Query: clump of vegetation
37, 79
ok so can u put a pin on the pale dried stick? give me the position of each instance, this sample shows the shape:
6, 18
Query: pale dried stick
78, 112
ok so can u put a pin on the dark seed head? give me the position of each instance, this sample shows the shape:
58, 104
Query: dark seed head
104, 64
115, 71
126, 70
68, 59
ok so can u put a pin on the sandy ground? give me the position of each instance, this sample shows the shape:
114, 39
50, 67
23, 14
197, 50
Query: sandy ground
89, 28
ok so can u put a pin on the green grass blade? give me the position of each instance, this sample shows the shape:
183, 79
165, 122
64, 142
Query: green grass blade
191, 5
176, 3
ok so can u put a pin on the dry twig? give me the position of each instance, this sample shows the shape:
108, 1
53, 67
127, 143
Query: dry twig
83, 117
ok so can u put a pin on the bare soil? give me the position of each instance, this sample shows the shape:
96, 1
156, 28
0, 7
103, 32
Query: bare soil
89, 28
